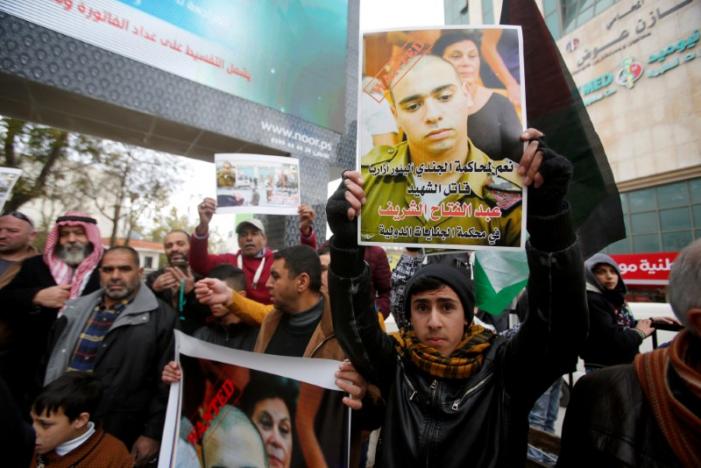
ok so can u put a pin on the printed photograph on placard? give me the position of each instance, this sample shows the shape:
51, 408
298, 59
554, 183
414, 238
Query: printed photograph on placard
440, 113
256, 183
236, 415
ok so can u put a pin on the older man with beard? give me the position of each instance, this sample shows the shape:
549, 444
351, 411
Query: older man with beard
36, 295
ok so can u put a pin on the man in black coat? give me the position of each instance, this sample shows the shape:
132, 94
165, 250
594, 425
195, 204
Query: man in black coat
646, 413
33, 299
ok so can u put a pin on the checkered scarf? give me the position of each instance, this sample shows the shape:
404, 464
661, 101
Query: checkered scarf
462, 363
62, 273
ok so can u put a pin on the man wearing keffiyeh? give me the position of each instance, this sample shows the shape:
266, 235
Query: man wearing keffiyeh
456, 394
35, 297
647, 413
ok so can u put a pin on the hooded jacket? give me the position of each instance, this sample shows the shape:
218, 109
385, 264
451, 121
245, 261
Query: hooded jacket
612, 339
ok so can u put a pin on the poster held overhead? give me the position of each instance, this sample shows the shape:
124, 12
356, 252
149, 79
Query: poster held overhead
255, 183
449, 178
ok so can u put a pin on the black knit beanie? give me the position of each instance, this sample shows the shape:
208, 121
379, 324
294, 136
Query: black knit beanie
450, 276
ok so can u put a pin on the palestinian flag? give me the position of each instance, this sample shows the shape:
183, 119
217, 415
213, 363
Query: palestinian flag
555, 107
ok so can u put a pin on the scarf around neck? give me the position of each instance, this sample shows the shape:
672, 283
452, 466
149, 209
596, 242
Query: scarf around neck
63, 273
680, 425
465, 361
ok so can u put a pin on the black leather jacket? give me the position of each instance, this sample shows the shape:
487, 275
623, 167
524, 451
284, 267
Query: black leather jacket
609, 423
483, 420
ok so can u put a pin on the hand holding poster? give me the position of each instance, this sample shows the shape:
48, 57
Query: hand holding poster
256, 183
236, 408
449, 179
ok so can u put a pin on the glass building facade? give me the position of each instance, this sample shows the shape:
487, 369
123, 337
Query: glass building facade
564, 16
662, 218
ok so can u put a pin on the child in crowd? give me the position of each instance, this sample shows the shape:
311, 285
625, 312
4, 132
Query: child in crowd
65, 435
225, 327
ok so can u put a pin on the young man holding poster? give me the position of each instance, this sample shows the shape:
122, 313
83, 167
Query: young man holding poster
456, 393
437, 187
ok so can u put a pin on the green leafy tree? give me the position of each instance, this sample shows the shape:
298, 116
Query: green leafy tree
46, 157
69, 171
131, 185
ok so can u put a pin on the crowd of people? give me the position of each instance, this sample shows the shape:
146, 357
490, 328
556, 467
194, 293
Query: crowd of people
87, 341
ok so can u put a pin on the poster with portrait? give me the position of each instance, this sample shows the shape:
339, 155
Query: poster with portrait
440, 114
257, 183
238, 408
8, 177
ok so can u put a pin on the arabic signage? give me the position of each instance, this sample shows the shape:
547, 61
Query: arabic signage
623, 37
623, 32
645, 268
257, 183
631, 70
236, 408
289, 56
452, 182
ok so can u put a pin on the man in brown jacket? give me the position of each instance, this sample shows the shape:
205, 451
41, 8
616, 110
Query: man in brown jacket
299, 325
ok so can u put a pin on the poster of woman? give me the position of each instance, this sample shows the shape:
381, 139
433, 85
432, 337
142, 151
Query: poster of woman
235, 408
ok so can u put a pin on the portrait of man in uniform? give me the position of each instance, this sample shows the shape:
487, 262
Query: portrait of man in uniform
436, 187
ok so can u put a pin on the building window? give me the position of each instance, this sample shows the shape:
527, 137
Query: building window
148, 262
564, 16
663, 218
487, 12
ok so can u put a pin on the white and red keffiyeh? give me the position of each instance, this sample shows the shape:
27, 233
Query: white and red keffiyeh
63, 273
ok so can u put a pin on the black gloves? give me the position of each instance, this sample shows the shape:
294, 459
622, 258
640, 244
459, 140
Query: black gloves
344, 230
557, 172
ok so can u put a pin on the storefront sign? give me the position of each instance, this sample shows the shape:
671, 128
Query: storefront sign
645, 268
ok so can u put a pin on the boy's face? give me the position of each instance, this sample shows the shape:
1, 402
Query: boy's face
222, 312
438, 319
54, 429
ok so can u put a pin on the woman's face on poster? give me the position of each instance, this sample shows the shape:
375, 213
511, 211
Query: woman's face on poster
465, 57
272, 418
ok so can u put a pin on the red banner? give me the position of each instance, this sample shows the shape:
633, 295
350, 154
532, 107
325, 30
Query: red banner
646, 268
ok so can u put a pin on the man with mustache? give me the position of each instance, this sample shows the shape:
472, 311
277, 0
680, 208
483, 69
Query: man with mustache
174, 284
430, 107
31, 302
254, 257
123, 335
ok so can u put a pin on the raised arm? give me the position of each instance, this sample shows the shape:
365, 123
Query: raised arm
556, 324
200, 260
355, 323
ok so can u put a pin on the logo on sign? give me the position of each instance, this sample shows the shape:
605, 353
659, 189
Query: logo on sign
630, 72
572, 45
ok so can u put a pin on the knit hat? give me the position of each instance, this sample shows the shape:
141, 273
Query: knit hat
451, 277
